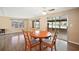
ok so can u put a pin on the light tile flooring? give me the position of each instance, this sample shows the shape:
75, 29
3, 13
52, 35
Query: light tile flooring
15, 42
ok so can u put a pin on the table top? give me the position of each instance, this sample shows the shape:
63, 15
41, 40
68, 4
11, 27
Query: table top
42, 34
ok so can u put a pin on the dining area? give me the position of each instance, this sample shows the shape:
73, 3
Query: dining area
40, 39
51, 32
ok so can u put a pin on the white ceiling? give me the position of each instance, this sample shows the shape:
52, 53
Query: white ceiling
28, 12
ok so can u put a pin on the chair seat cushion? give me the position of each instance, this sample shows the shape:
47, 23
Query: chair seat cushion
47, 40
34, 41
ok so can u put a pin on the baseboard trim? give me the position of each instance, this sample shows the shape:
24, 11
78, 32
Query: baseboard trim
74, 42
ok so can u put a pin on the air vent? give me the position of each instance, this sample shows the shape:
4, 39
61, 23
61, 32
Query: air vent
51, 10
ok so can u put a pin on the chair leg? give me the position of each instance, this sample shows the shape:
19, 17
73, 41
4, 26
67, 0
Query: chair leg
25, 48
30, 49
51, 49
55, 47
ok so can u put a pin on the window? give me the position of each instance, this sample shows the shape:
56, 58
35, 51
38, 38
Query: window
57, 22
17, 23
36, 24
50, 24
54, 25
63, 24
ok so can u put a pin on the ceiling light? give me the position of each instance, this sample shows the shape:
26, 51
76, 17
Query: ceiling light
44, 12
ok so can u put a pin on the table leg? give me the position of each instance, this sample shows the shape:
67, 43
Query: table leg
40, 44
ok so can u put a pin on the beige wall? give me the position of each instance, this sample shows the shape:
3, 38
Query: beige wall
73, 30
5, 23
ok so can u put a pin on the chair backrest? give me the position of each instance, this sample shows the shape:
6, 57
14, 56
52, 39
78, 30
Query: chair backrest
27, 40
29, 36
54, 38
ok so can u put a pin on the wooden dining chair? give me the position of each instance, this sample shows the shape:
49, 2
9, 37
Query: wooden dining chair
50, 43
29, 42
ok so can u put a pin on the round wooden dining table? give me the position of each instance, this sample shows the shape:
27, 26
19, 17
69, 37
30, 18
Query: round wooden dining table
41, 35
